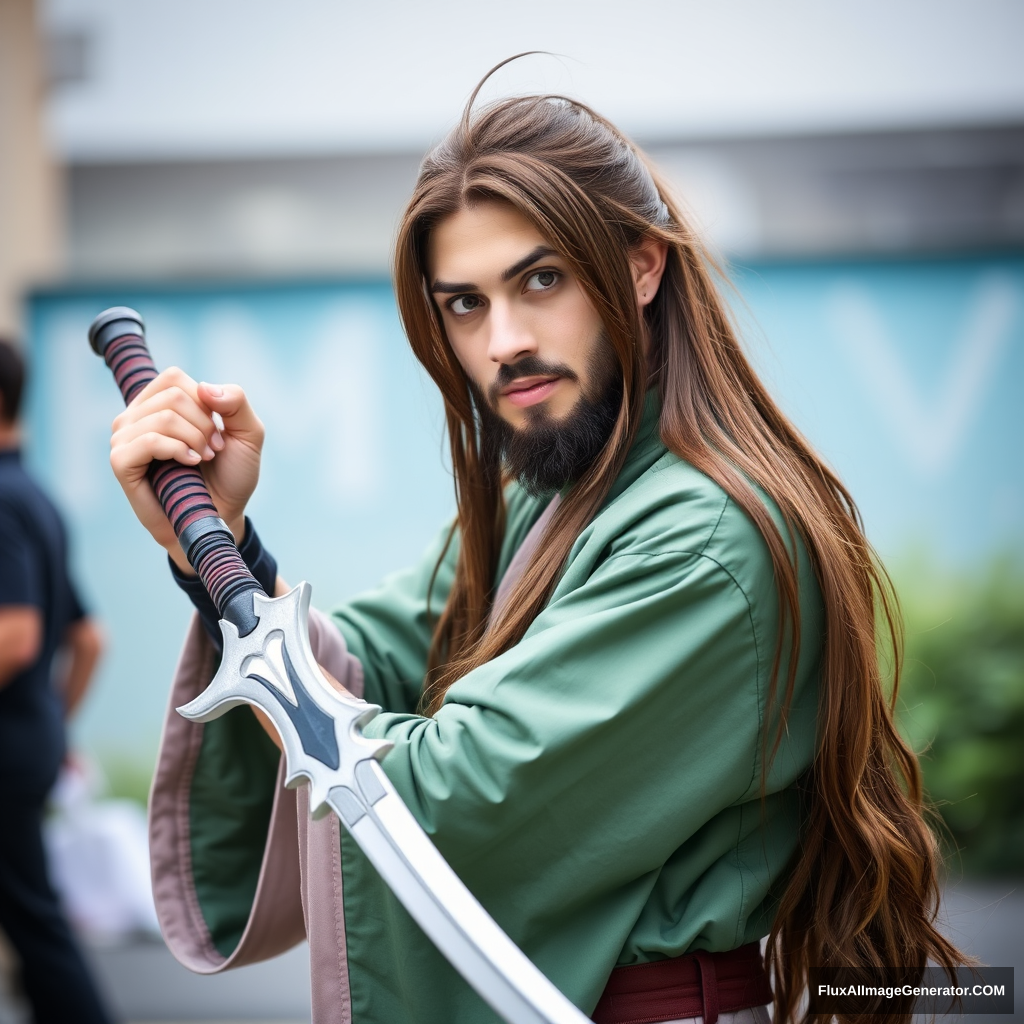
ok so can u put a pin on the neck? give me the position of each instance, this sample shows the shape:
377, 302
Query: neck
10, 435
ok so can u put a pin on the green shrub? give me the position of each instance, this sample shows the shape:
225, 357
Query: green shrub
962, 708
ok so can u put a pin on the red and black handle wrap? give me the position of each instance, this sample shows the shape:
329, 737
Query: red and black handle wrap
119, 336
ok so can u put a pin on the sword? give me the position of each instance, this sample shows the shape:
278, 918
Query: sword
267, 661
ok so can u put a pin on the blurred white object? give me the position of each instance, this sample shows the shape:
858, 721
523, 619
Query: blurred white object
98, 857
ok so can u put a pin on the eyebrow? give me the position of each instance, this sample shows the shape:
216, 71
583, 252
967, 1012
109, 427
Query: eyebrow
454, 288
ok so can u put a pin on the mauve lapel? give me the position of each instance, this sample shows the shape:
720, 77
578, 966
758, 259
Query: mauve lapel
521, 559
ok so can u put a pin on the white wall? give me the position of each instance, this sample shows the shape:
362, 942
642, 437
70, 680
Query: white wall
202, 78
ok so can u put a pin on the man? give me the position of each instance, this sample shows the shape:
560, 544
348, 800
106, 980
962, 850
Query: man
42, 626
633, 690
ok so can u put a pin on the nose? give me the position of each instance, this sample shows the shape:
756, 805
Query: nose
510, 338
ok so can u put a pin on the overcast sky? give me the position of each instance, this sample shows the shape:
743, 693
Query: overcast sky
203, 78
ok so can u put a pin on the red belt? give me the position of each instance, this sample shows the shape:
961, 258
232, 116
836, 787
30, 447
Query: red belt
696, 985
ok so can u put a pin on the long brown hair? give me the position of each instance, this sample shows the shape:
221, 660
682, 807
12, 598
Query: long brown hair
861, 897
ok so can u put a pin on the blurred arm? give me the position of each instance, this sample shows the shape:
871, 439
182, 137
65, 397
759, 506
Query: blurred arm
21, 637
83, 645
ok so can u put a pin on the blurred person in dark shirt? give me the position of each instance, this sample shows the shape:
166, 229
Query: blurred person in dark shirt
48, 649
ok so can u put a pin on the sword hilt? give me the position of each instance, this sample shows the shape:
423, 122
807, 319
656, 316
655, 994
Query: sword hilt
119, 336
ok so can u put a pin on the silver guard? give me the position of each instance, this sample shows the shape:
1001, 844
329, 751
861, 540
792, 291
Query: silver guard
274, 669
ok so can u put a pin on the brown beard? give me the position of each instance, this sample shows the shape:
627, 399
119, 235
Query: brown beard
546, 454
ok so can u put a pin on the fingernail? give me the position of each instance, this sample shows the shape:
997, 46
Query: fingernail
194, 454
215, 389
217, 440
208, 453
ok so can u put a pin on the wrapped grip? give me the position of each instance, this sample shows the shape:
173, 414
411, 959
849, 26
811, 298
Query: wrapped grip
118, 335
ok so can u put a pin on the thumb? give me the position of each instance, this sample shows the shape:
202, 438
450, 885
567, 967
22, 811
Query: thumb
229, 400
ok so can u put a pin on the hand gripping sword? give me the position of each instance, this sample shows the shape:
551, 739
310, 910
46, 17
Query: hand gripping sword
268, 662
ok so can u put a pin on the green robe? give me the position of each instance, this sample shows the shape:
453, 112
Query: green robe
597, 787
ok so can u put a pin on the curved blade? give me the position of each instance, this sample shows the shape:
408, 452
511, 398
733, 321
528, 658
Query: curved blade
274, 669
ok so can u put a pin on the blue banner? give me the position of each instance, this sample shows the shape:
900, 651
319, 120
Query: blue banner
909, 378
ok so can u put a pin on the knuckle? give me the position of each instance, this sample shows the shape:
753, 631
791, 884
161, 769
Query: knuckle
185, 405
119, 462
180, 398
165, 419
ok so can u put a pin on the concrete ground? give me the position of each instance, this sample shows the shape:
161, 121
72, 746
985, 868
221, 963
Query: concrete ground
143, 982
987, 920
145, 985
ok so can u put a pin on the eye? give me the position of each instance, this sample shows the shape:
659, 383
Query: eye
463, 304
542, 280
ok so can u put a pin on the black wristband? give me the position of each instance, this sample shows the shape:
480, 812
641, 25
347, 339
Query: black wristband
261, 564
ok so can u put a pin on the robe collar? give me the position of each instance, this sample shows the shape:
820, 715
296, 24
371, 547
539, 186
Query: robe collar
646, 449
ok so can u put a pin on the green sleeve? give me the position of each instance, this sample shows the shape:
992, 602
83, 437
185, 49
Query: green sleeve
232, 796
632, 708
654, 648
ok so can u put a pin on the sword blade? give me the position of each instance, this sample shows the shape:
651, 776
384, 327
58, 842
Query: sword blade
439, 902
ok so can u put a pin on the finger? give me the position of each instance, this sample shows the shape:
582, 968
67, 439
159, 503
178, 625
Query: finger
173, 376
268, 726
230, 402
334, 682
169, 423
175, 398
131, 459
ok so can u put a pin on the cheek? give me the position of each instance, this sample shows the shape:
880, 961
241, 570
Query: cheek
469, 358
576, 329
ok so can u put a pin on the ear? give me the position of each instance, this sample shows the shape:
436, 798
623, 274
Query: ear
648, 260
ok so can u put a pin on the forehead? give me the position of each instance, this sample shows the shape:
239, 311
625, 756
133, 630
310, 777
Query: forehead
479, 242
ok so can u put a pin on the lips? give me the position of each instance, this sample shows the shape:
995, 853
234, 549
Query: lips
530, 390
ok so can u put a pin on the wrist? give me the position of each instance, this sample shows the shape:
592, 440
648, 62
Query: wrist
237, 528
177, 557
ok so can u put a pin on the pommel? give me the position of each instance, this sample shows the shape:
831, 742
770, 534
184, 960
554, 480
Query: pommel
114, 323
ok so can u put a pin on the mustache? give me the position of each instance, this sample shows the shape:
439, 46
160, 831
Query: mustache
528, 366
